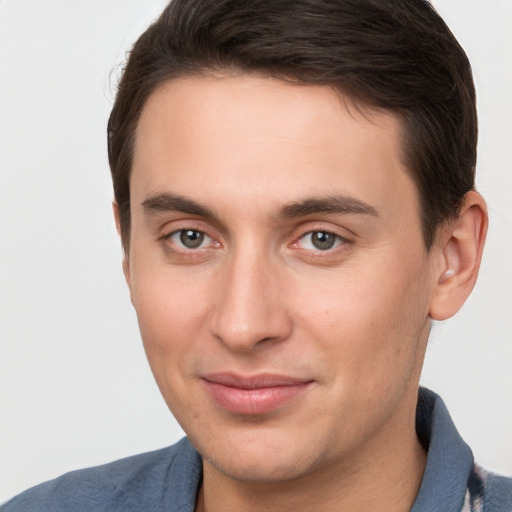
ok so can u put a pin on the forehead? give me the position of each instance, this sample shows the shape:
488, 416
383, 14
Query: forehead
264, 141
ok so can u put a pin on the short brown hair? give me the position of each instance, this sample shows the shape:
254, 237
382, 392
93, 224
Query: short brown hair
396, 55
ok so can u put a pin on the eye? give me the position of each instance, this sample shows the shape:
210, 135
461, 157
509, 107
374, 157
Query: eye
319, 241
190, 238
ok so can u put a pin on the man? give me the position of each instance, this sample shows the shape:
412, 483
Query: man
294, 186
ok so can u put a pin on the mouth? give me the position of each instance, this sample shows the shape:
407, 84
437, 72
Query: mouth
253, 395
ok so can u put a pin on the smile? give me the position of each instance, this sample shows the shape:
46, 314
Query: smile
253, 395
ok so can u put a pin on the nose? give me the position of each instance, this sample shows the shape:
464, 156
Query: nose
250, 308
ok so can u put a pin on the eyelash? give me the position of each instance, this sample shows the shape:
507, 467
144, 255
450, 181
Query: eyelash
179, 244
337, 240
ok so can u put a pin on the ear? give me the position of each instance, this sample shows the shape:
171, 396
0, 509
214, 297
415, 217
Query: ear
126, 263
460, 252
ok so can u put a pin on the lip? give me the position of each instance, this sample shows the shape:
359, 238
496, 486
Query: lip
253, 395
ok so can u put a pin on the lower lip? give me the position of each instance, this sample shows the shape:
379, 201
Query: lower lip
253, 401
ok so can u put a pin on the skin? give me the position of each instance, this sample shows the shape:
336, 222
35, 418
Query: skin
256, 296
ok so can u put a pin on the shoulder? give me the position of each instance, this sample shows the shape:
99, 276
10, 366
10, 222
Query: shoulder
141, 482
497, 493
487, 492
451, 477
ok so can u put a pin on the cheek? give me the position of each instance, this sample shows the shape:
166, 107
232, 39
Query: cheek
172, 316
169, 302
171, 323
371, 322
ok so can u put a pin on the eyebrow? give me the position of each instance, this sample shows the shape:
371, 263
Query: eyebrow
339, 204
167, 202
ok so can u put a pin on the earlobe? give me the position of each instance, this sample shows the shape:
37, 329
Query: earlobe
462, 242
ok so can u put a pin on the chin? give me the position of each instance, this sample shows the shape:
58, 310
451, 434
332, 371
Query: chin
260, 469
265, 456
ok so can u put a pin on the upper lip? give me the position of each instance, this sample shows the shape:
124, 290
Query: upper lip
264, 380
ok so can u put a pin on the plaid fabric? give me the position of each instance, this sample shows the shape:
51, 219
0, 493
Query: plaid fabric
475, 491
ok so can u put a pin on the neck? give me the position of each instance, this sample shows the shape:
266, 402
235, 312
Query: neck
386, 475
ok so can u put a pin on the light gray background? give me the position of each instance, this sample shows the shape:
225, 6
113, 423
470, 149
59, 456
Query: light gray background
75, 388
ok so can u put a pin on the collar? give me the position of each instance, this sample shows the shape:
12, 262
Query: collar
449, 458
448, 468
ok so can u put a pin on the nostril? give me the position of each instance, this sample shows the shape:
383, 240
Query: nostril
248, 310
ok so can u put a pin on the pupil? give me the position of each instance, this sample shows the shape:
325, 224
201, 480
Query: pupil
322, 240
191, 239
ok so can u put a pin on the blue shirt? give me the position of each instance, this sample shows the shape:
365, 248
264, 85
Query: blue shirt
169, 479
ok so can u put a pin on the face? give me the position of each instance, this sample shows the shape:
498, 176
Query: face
278, 272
